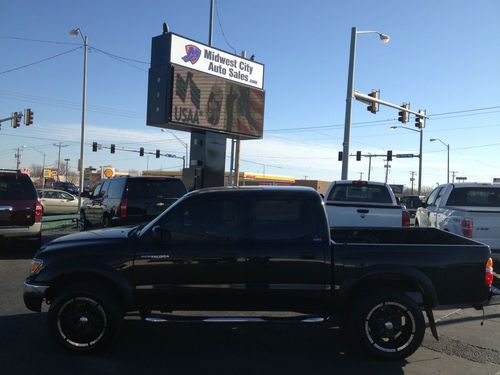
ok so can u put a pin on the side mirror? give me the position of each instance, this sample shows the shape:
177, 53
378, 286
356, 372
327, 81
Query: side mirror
424, 205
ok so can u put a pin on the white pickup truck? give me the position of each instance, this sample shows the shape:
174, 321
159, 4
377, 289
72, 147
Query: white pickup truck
468, 209
363, 204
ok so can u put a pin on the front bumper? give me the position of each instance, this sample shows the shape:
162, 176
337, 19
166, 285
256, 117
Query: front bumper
33, 295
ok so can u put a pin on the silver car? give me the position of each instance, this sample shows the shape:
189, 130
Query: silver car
58, 202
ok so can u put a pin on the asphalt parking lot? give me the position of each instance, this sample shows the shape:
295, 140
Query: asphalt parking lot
465, 346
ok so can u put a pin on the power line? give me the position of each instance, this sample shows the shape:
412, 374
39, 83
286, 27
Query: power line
120, 57
221, 29
37, 40
39, 61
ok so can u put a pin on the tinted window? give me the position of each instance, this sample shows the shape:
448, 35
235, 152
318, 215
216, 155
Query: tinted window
116, 188
280, 219
360, 193
97, 190
16, 187
202, 221
411, 202
475, 196
155, 188
105, 188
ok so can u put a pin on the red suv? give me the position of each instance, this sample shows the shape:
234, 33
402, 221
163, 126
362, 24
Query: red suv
20, 209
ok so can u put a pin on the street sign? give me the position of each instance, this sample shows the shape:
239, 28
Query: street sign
405, 155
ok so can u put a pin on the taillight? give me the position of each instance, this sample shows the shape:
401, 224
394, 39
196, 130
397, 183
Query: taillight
406, 218
467, 225
123, 208
488, 276
38, 211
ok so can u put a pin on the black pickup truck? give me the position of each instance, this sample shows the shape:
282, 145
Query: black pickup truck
256, 249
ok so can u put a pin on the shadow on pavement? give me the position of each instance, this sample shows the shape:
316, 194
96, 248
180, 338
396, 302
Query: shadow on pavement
188, 348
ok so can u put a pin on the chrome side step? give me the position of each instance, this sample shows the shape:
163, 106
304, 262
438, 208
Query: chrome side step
166, 318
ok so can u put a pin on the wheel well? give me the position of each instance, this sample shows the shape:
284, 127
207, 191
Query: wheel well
89, 278
409, 287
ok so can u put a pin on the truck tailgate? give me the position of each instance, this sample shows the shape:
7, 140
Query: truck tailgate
486, 225
363, 215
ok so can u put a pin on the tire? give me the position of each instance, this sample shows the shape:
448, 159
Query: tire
83, 223
84, 318
388, 324
105, 221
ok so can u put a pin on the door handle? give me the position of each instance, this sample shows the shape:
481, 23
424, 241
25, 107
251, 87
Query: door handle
363, 211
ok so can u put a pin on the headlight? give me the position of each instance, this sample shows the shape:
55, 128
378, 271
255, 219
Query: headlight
36, 266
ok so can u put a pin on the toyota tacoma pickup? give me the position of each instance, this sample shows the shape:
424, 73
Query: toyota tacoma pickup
364, 204
468, 209
256, 250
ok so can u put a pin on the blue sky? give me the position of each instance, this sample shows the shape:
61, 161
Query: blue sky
443, 57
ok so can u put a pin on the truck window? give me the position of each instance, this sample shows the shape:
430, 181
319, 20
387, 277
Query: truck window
360, 193
115, 190
475, 196
432, 197
204, 221
280, 219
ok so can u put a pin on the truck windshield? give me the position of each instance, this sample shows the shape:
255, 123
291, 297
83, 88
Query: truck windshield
475, 196
360, 193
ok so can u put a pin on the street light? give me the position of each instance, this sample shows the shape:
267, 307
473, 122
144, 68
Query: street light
421, 131
180, 141
350, 93
75, 33
448, 167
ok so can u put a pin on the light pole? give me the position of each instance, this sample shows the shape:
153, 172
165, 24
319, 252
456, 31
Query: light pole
67, 160
180, 141
350, 93
421, 131
74, 33
43, 165
448, 161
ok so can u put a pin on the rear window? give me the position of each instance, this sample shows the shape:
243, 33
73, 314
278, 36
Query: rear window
155, 189
475, 196
16, 187
360, 193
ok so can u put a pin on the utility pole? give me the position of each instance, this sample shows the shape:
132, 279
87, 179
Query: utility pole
453, 173
360, 176
67, 160
18, 157
369, 165
387, 166
60, 144
412, 179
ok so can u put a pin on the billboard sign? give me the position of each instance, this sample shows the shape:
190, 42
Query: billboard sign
197, 56
204, 101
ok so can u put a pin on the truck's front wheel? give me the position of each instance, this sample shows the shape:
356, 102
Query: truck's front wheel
83, 318
389, 324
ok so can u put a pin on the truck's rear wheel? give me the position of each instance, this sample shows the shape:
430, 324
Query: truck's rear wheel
389, 324
83, 318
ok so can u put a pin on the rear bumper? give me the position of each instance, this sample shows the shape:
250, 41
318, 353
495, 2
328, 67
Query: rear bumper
21, 232
33, 295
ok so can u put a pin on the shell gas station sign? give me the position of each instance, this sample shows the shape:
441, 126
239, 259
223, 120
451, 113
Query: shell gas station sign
108, 172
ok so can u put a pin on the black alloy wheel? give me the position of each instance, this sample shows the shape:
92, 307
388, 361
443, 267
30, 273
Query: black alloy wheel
389, 324
83, 319
82, 222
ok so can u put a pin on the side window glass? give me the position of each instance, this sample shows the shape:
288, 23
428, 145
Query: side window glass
280, 219
432, 197
97, 190
204, 221
115, 190
105, 188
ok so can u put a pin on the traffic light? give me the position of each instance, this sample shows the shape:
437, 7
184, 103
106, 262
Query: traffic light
403, 115
358, 155
157, 154
373, 106
389, 155
141, 151
112, 149
94, 146
16, 120
28, 117
420, 120
340, 156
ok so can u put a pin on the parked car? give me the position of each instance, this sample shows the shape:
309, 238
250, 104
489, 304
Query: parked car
257, 249
58, 202
364, 204
468, 209
67, 186
20, 209
411, 202
129, 200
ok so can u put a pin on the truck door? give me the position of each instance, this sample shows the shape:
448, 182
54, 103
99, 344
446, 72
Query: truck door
198, 262
427, 218
285, 265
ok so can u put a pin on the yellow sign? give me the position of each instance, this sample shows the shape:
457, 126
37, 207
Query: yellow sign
108, 172
47, 173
